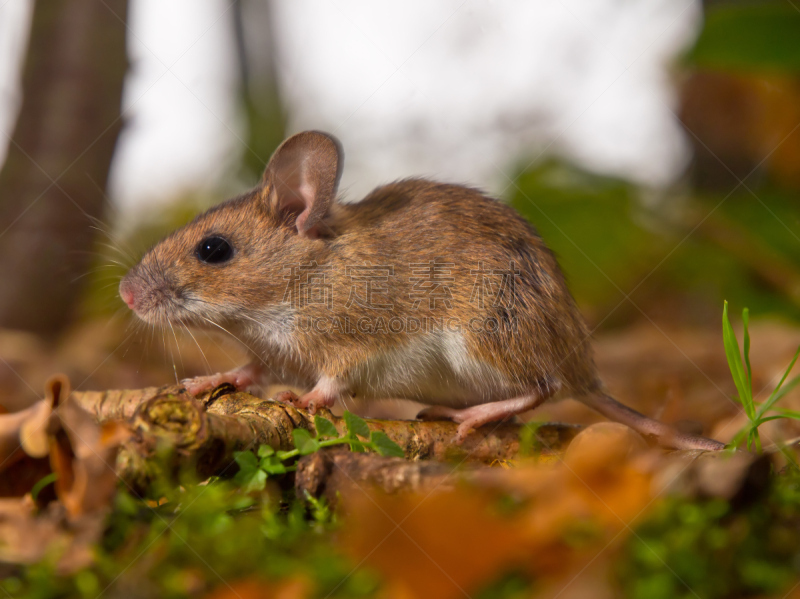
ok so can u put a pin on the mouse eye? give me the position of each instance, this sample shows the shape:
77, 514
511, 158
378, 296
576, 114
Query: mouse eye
214, 250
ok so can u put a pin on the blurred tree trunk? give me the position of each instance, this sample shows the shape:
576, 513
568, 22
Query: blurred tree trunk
254, 29
52, 184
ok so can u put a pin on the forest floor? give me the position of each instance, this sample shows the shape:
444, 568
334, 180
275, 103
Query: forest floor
602, 515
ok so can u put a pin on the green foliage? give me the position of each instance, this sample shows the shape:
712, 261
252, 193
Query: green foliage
304, 442
591, 223
739, 364
253, 473
251, 477
698, 265
759, 36
383, 445
325, 427
356, 427
529, 444
709, 548
611, 243
510, 586
200, 537
266, 128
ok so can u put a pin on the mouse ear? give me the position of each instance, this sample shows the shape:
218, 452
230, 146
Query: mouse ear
304, 173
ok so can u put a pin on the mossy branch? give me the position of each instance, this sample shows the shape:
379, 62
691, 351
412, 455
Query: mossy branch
203, 433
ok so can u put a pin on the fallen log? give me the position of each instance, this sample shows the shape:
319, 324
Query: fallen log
203, 433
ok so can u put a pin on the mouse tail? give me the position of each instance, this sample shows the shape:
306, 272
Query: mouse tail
665, 434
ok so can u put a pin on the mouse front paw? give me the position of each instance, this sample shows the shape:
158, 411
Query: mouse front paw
287, 397
310, 401
241, 378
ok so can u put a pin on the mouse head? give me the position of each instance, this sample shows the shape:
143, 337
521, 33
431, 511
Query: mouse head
228, 264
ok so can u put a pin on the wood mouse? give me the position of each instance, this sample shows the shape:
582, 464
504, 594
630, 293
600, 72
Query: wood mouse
423, 290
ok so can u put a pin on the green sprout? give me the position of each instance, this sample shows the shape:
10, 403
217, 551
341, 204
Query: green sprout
42, 483
757, 413
254, 469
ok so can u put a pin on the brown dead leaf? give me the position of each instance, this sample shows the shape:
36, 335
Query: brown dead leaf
24, 441
21, 431
25, 537
437, 545
28, 535
618, 442
447, 543
83, 455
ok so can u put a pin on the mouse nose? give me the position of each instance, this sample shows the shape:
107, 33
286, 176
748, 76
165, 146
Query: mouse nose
126, 293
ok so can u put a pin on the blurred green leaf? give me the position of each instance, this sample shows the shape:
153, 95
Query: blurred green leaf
265, 451
385, 446
325, 427
274, 468
304, 442
356, 425
250, 476
610, 243
592, 225
763, 36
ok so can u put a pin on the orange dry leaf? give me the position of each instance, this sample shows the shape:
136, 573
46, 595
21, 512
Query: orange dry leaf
82, 454
437, 545
448, 543
25, 433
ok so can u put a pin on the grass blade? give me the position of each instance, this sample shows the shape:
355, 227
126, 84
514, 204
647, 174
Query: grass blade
780, 390
785, 413
739, 437
746, 343
734, 357
776, 417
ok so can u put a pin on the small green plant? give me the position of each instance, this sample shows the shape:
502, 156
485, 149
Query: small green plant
42, 483
529, 443
757, 414
254, 469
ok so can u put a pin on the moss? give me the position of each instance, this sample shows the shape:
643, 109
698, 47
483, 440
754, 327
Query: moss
712, 548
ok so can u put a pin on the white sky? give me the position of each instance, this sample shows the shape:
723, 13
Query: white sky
460, 90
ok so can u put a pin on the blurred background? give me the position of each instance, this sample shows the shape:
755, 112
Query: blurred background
655, 144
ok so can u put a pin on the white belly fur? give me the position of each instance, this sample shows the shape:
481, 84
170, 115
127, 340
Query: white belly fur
432, 368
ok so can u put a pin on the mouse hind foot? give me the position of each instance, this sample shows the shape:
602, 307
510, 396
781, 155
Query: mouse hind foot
471, 418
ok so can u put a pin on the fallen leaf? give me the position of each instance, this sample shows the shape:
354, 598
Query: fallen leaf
438, 545
449, 543
83, 455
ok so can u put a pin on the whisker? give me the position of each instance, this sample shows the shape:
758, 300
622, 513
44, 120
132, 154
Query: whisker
178, 349
252, 351
202, 353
